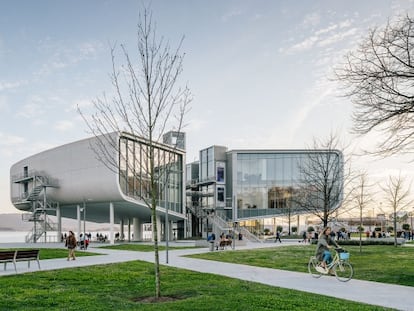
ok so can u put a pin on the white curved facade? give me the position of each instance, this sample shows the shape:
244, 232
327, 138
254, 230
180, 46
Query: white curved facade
76, 178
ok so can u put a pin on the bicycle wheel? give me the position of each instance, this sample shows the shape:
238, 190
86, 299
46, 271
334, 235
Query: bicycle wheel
343, 271
313, 262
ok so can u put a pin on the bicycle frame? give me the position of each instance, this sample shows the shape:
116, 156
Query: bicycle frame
341, 267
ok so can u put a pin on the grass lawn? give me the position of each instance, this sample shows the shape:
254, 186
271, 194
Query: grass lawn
380, 263
120, 287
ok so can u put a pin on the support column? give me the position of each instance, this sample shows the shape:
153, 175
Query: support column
129, 229
78, 217
121, 233
159, 225
170, 230
111, 223
59, 224
136, 229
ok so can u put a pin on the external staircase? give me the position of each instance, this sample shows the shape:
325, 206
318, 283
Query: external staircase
35, 202
220, 225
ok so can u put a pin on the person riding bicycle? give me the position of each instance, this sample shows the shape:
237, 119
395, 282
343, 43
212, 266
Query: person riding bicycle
325, 243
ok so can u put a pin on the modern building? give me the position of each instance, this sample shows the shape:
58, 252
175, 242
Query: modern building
106, 179
102, 179
242, 189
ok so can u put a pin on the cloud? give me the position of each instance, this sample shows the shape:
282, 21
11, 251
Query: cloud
226, 17
196, 125
337, 37
312, 19
33, 109
323, 37
9, 143
4, 106
82, 104
7, 140
63, 55
306, 44
10, 85
317, 95
326, 30
63, 125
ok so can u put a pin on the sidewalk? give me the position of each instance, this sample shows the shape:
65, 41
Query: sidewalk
380, 294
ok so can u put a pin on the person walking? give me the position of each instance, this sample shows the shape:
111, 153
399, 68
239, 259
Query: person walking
71, 245
278, 237
304, 237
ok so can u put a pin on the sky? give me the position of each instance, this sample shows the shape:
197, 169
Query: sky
259, 71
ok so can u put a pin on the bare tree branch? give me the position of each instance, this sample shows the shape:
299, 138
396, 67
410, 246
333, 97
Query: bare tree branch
322, 181
397, 196
146, 101
379, 78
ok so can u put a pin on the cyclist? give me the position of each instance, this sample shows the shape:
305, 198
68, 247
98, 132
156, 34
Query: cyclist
323, 254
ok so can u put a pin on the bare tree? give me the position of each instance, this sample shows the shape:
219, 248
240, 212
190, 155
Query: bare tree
379, 78
145, 103
397, 195
322, 180
362, 198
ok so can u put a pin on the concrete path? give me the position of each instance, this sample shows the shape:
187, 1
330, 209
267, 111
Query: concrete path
380, 294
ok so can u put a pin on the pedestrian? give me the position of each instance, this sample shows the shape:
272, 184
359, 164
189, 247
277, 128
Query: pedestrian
304, 237
71, 245
278, 237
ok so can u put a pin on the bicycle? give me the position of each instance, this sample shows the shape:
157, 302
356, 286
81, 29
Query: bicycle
340, 266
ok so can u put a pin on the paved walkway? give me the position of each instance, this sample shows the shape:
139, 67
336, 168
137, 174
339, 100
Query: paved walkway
380, 294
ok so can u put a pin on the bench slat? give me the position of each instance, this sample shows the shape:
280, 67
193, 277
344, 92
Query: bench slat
19, 255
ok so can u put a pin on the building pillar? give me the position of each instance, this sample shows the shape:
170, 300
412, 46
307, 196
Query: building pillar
121, 233
111, 223
136, 228
78, 217
159, 227
59, 223
129, 229
170, 231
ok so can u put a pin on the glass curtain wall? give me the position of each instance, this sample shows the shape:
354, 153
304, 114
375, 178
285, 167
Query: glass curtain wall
269, 184
135, 178
266, 183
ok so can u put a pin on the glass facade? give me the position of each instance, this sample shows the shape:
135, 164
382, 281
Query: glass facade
270, 183
135, 177
250, 186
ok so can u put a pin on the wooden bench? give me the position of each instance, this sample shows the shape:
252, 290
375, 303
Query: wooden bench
19, 255
7, 256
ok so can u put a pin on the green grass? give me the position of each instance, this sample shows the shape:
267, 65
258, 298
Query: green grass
386, 264
119, 286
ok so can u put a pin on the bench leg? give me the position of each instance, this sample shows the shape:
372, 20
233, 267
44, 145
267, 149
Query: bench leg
38, 263
15, 269
5, 266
